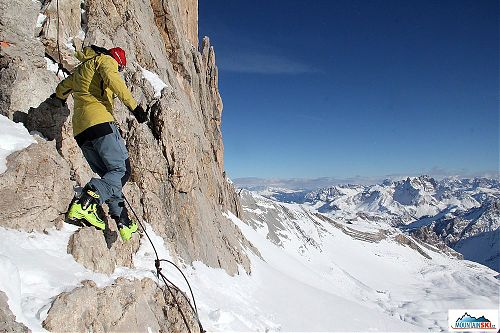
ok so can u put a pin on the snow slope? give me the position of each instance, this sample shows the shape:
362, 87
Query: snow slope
35, 268
385, 275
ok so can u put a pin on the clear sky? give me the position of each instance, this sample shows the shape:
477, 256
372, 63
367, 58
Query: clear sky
344, 88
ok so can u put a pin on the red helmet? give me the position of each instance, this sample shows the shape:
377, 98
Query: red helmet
119, 55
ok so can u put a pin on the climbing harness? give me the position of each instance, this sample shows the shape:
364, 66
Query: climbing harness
169, 284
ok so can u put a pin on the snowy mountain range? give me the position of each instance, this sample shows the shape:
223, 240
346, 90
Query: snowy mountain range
369, 262
458, 213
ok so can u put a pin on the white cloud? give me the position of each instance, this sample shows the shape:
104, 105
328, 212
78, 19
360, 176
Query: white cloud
262, 63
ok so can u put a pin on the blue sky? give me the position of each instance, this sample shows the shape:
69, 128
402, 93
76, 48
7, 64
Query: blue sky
356, 88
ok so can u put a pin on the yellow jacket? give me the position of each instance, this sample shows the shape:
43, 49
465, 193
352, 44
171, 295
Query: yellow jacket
93, 84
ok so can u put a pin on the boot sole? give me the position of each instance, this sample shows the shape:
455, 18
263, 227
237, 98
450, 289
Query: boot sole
82, 222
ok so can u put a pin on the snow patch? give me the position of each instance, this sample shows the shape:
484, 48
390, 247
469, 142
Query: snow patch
40, 20
54, 68
81, 33
155, 81
13, 136
69, 44
41, 269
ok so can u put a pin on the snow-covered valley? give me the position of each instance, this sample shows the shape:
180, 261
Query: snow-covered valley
453, 213
373, 263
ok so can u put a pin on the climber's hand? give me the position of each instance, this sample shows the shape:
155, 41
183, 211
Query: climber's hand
59, 101
140, 114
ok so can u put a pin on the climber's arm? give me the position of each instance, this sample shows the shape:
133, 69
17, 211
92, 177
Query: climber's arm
108, 70
64, 88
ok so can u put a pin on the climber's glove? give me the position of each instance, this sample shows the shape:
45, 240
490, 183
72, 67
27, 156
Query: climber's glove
140, 114
58, 101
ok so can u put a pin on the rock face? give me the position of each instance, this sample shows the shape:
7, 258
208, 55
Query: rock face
125, 306
473, 233
177, 156
8, 322
189, 18
101, 252
178, 183
70, 22
24, 80
36, 189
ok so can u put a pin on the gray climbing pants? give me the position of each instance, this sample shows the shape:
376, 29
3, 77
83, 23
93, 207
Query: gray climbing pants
108, 157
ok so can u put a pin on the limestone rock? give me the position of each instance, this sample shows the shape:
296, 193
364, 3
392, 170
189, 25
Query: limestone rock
22, 64
31, 88
168, 20
18, 17
35, 190
68, 22
8, 322
189, 17
180, 186
102, 251
125, 306
62, 54
177, 157
69, 16
23, 85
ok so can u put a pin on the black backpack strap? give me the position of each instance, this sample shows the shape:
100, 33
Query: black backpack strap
99, 50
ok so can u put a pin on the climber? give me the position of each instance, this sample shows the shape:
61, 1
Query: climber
93, 85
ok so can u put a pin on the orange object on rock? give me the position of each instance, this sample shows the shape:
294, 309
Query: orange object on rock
4, 43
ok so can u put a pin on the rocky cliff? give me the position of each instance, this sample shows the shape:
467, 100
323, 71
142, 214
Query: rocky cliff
178, 183
474, 233
125, 306
178, 180
8, 322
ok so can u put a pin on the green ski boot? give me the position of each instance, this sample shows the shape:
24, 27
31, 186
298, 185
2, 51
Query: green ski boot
126, 226
87, 208
127, 231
